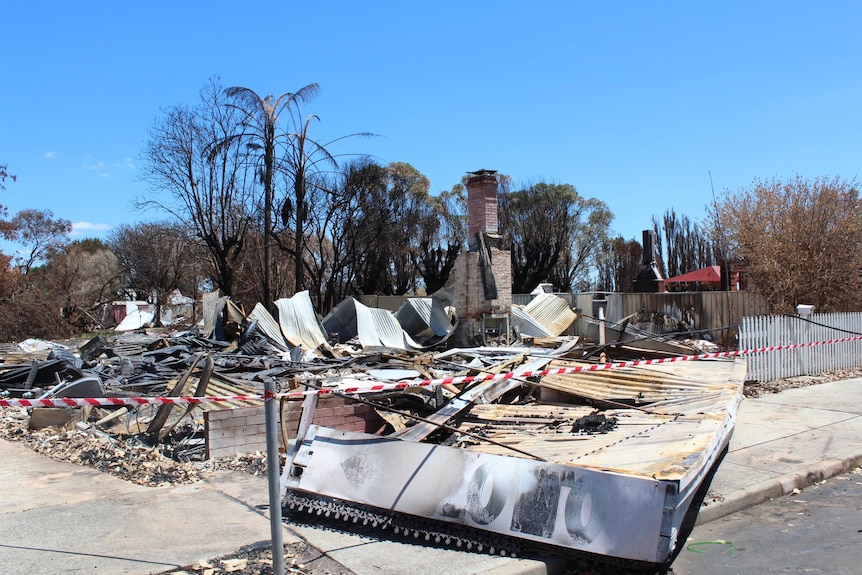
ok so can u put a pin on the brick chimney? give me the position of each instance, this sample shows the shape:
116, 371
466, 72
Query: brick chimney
481, 204
481, 280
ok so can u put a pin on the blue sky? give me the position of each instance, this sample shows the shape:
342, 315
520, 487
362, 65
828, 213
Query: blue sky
634, 103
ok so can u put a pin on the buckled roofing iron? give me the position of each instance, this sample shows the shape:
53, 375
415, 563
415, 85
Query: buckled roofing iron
374, 327
299, 323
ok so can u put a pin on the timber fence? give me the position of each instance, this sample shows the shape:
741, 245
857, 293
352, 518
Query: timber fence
839, 334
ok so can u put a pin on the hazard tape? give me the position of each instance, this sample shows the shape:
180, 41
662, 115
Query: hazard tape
362, 387
129, 401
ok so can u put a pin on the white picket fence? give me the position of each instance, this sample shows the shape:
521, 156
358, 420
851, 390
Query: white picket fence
778, 330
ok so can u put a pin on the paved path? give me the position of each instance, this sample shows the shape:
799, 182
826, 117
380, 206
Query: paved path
58, 517
786, 441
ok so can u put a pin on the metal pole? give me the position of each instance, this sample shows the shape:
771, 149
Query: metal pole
602, 336
273, 472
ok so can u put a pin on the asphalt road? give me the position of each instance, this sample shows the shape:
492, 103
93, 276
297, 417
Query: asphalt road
818, 530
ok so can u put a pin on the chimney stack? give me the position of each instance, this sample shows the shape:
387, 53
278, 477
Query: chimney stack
481, 204
649, 279
481, 280
649, 247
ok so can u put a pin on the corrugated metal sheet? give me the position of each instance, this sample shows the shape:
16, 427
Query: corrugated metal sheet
552, 312
213, 302
527, 325
342, 321
298, 322
424, 318
267, 324
374, 327
389, 331
415, 317
677, 411
225, 386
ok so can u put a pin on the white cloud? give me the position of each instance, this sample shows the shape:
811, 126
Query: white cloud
49, 155
79, 228
104, 168
126, 163
94, 166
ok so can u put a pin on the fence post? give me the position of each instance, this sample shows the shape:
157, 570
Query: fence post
804, 312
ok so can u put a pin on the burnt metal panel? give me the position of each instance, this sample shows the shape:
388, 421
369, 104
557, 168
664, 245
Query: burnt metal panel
527, 325
424, 318
583, 509
680, 414
546, 473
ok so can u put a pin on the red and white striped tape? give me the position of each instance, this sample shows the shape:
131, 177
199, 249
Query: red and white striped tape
363, 387
132, 401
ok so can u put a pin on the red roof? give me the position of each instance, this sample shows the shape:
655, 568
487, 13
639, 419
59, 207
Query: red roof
710, 274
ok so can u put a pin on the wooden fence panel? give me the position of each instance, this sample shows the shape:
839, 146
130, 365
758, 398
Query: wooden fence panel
717, 313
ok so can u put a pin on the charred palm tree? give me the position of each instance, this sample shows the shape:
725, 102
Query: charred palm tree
307, 159
261, 134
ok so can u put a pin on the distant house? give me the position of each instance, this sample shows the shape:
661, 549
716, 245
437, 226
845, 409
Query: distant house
123, 308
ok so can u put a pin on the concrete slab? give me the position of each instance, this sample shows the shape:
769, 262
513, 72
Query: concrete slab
729, 473
59, 517
127, 534
840, 396
838, 440
766, 422
249, 490
31, 480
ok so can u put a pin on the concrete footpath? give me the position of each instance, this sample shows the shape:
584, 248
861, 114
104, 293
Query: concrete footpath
59, 517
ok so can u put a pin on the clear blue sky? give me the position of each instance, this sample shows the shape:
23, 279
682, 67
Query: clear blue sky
634, 103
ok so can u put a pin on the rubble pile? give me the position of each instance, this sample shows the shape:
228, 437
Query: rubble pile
759, 388
154, 445
146, 444
128, 460
233, 355
299, 559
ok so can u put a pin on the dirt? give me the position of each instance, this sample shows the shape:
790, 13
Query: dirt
299, 559
761, 388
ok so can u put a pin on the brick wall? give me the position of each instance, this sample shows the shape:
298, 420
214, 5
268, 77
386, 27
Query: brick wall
469, 293
501, 265
243, 430
468, 289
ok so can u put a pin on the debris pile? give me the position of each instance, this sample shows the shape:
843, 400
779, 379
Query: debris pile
129, 460
231, 355
299, 559
538, 414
